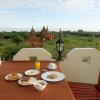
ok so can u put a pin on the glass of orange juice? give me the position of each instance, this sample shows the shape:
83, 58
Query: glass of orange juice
37, 64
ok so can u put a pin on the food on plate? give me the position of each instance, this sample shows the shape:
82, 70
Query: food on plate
42, 83
52, 76
25, 79
32, 72
13, 76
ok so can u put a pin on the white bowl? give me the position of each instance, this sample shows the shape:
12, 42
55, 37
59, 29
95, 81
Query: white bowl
39, 85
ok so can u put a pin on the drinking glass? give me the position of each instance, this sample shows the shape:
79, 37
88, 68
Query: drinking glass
37, 65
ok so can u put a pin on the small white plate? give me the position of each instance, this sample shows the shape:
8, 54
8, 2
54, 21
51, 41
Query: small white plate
18, 74
32, 79
59, 76
32, 72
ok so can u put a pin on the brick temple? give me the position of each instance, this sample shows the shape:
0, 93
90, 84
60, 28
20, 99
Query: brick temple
44, 36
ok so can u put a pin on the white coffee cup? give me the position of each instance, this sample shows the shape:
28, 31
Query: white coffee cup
52, 66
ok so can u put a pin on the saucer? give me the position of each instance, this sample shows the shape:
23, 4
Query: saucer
32, 72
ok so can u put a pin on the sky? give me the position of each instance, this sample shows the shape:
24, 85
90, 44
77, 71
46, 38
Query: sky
21, 15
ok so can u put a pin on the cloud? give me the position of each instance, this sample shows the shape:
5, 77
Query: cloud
7, 14
64, 5
5, 4
71, 6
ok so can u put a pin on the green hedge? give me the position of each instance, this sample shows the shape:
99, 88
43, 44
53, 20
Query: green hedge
8, 52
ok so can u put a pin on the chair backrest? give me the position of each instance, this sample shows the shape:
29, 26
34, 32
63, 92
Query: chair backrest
25, 54
82, 65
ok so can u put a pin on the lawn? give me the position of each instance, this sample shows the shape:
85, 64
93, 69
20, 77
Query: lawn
71, 42
8, 48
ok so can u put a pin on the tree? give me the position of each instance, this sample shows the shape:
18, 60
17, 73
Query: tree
9, 51
17, 39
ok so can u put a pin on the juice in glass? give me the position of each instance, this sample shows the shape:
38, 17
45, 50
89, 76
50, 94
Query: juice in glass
37, 65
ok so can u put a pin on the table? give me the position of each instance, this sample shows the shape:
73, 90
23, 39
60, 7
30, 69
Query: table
13, 91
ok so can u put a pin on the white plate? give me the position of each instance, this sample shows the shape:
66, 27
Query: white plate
32, 72
60, 76
33, 79
7, 77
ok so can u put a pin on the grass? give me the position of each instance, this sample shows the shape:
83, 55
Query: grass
70, 42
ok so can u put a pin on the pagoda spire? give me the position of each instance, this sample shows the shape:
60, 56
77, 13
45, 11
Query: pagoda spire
43, 27
32, 30
47, 29
60, 33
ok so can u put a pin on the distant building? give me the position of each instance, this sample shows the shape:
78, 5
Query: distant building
44, 36
33, 39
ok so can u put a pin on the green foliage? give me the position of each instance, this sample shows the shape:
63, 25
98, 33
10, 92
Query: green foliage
17, 39
9, 51
1, 35
90, 39
38, 34
9, 35
24, 35
71, 40
6, 37
1, 44
50, 43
